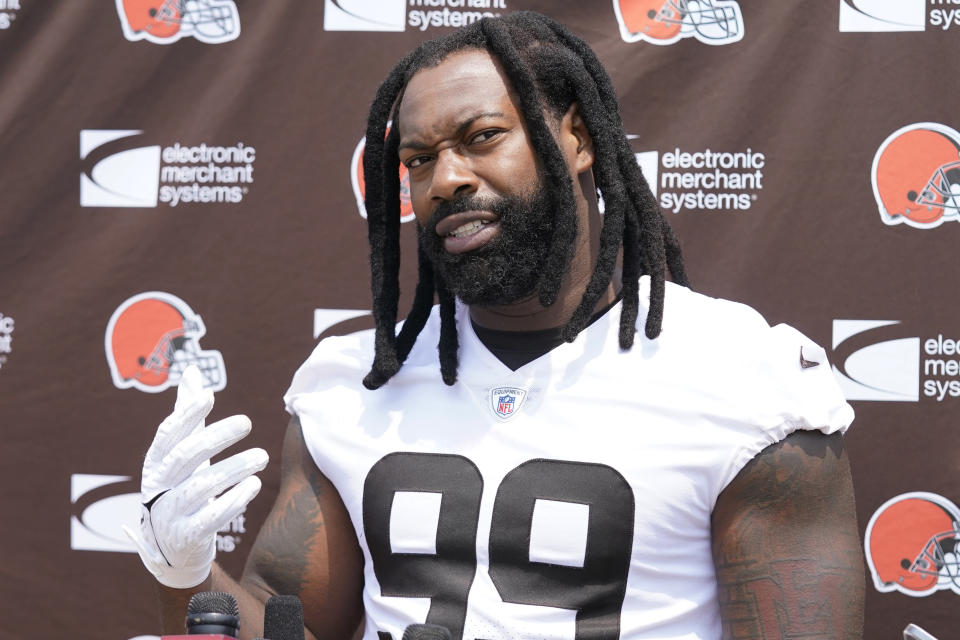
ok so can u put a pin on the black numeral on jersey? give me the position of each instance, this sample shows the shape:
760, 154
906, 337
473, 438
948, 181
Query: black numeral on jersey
446, 577
595, 590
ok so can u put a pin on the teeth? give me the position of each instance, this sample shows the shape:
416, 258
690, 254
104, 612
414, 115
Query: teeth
467, 229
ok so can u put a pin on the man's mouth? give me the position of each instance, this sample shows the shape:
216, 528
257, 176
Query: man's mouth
467, 230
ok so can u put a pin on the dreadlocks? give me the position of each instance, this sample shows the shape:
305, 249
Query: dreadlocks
550, 69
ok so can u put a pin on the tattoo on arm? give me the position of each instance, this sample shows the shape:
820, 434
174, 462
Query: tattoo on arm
786, 545
307, 546
287, 539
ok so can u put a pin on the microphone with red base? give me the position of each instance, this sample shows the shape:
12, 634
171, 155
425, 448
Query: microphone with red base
211, 615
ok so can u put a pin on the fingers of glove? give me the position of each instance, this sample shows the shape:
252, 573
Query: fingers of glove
192, 406
190, 386
215, 515
202, 445
192, 494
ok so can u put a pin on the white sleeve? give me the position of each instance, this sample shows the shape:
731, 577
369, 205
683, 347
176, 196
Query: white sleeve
337, 361
790, 386
798, 386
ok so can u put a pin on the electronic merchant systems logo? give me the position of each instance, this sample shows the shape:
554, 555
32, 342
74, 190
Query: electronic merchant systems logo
103, 504
396, 15
704, 180
152, 337
166, 21
668, 21
898, 15
916, 176
8, 13
119, 172
881, 360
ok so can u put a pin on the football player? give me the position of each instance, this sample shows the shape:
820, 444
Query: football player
558, 476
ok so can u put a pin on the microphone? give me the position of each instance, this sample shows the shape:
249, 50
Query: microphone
426, 632
211, 615
213, 612
283, 618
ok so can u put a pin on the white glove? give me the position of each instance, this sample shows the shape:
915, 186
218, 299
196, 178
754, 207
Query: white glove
180, 517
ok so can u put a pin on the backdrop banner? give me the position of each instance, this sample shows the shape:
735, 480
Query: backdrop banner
191, 189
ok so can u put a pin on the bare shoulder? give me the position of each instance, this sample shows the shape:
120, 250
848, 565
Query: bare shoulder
786, 544
307, 546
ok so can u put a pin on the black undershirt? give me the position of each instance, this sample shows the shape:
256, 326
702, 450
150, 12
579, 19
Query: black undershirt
517, 348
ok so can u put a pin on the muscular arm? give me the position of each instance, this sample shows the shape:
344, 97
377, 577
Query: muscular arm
786, 545
307, 547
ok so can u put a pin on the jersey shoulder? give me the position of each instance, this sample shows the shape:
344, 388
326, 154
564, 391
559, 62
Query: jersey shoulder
781, 377
726, 325
345, 360
689, 311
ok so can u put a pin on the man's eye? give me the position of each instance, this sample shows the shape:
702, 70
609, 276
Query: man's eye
416, 161
486, 134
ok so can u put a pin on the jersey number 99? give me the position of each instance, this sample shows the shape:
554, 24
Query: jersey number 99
594, 590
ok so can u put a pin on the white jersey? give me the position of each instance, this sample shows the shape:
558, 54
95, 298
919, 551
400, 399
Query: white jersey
569, 499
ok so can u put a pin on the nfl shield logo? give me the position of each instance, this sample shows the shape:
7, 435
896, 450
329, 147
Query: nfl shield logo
506, 401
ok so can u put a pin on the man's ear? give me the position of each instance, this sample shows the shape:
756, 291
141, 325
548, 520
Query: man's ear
577, 144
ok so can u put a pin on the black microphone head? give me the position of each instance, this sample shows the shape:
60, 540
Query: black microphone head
426, 632
283, 618
213, 602
213, 612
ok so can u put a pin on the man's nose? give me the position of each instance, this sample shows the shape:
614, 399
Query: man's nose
453, 177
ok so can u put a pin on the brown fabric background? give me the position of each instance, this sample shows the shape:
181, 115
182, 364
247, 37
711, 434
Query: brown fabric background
809, 250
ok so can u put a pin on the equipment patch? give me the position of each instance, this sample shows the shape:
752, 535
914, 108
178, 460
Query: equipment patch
506, 401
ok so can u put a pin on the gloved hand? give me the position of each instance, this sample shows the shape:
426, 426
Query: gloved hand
181, 513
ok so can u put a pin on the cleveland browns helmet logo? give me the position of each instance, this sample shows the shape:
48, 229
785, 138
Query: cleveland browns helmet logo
667, 21
916, 176
911, 545
152, 337
359, 186
166, 21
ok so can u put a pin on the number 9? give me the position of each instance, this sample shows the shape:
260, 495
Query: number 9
595, 590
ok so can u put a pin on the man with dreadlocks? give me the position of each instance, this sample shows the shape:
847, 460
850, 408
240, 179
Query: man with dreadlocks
554, 480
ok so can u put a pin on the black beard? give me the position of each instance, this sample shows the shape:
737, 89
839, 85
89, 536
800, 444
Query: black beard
508, 268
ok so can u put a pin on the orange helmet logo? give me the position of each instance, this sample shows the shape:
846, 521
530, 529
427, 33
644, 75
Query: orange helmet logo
916, 176
667, 21
166, 21
359, 185
911, 544
150, 340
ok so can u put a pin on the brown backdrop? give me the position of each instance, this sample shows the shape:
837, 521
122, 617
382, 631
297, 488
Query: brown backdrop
89, 126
